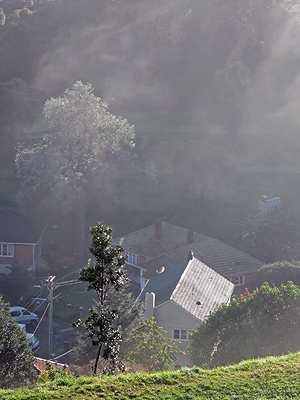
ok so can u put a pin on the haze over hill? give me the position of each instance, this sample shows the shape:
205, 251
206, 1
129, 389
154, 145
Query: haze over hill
212, 89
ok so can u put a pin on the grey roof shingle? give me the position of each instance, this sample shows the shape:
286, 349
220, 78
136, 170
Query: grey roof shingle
144, 242
16, 228
171, 248
193, 286
224, 259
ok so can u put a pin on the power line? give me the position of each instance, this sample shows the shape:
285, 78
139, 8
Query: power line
51, 285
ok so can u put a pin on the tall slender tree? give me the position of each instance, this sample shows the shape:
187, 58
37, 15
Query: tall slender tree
104, 273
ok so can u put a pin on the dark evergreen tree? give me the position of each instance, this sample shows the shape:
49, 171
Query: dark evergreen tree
104, 273
16, 358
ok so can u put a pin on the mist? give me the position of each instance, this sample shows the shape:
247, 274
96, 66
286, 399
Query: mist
211, 89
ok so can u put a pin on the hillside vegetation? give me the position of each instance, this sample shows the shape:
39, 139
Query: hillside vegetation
269, 378
204, 83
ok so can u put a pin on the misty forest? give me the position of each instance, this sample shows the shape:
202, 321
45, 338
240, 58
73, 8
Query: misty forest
207, 94
135, 111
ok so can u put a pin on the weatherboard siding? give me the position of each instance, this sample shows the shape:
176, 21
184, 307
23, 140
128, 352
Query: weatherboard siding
169, 316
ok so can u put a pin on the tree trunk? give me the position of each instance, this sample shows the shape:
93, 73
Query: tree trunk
97, 360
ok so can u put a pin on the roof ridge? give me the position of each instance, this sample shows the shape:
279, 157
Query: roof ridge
184, 272
165, 223
170, 252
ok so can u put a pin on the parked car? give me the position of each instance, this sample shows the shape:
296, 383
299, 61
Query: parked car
23, 316
34, 342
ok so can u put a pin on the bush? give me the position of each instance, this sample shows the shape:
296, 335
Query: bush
276, 274
266, 322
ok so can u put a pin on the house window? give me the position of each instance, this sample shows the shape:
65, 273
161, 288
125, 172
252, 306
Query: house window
180, 334
6, 250
132, 259
238, 280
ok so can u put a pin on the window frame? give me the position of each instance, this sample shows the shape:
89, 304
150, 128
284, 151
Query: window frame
181, 334
9, 250
132, 258
238, 280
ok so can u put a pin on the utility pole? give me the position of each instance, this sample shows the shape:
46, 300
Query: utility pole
50, 285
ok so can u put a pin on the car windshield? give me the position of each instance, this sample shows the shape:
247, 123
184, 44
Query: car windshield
15, 313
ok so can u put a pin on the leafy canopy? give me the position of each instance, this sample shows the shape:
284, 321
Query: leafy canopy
149, 347
276, 274
16, 358
75, 153
265, 322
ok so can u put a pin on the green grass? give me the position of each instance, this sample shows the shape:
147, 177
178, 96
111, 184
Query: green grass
270, 378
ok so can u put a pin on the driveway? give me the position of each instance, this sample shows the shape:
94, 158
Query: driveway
63, 339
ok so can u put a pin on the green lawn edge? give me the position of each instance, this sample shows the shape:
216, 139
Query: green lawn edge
268, 378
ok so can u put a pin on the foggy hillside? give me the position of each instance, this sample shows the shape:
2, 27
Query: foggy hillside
210, 86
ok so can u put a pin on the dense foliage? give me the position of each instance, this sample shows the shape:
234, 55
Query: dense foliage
276, 274
16, 283
16, 358
271, 232
149, 347
130, 318
265, 322
104, 273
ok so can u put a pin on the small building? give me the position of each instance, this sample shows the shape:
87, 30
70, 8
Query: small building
181, 297
20, 242
269, 203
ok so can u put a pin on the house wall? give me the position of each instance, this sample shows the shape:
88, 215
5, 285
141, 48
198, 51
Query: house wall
7, 260
241, 289
23, 254
169, 316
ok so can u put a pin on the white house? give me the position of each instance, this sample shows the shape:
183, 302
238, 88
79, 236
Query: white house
182, 297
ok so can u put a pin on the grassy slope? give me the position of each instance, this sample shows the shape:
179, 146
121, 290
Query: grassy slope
270, 378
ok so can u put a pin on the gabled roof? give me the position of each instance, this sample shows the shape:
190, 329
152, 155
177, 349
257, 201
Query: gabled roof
16, 228
147, 242
192, 286
224, 259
